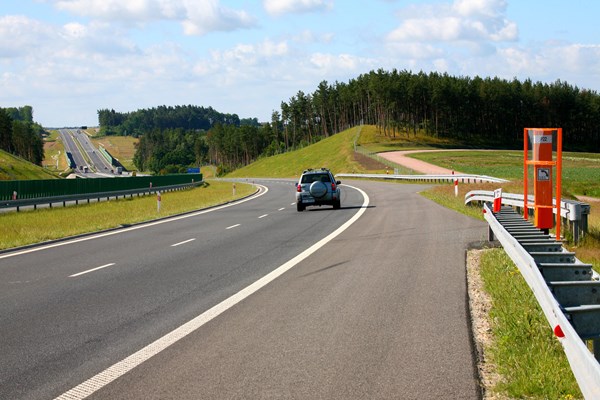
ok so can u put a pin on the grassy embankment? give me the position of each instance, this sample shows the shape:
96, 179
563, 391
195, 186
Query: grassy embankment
54, 153
120, 147
15, 168
335, 153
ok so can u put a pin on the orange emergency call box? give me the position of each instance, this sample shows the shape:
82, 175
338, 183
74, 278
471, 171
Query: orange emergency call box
543, 141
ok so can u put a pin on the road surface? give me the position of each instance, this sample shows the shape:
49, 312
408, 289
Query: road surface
379, 311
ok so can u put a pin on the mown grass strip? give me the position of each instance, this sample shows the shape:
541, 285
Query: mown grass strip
525, 351
27, 227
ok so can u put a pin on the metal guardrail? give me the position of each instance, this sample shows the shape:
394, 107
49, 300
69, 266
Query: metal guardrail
567, 324
576, 212
463, 178
89, 196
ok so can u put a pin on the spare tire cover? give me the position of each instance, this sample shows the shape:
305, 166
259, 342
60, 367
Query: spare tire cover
318, 189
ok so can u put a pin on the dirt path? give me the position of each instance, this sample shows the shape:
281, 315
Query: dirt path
399, 157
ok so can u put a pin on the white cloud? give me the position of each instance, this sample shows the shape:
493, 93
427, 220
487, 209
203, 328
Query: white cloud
310, 37
280, 7
461, 21
20, 36
197, 17
335, 62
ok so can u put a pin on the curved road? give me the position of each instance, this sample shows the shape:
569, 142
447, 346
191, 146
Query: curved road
380, 311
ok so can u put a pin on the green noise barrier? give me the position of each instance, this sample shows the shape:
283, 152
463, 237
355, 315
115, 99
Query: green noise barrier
31, 189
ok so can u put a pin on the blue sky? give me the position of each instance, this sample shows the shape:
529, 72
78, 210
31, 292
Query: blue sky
69, 58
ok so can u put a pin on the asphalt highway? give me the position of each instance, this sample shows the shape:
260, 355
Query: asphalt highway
376, 308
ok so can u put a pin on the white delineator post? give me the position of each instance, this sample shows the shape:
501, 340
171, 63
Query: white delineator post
14, 197
455, 186
234, 189
157, 201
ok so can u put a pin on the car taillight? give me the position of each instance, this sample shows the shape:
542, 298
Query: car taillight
299, 188
333, 186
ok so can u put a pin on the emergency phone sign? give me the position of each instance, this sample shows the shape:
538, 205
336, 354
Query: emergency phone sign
543, 174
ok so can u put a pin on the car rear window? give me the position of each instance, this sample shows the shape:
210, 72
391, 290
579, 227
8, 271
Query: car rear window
310, 178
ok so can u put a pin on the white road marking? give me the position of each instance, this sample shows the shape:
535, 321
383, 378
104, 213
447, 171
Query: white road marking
281, 209
91, 270
119, 369
233, 226
262, 216
292, 204
133, 228
184, 242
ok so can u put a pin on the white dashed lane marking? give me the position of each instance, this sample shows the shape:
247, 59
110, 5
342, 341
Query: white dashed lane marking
184, 242
233, 226
91, 270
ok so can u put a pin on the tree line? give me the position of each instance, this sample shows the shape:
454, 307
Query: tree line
19, 135
140, 122
483, 112
477, 112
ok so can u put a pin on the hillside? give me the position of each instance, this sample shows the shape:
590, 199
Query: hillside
15, 168
120, 147
335, 153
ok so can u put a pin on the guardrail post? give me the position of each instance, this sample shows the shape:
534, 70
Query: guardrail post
575, 230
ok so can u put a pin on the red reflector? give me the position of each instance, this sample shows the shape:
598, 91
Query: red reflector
484, 211
559, 332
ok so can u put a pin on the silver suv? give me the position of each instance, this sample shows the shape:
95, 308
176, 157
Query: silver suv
317, 187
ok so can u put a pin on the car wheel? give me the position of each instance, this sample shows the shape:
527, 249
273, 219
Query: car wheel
337, 204
299, 207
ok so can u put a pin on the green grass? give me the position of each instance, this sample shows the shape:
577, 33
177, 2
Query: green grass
335, 153
54, 151
375, 142
120, 147
580, 175
27, 227
15, 168
527, 354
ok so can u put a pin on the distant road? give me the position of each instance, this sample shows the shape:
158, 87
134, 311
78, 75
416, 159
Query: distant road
99, 163
378, 312
75, 141
399, 157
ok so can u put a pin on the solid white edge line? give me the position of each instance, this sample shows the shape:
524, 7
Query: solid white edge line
184, 242
91, 270
133, 228
119, 369
233, 226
